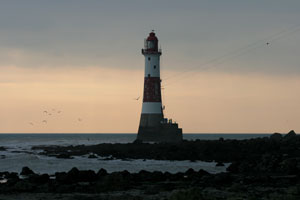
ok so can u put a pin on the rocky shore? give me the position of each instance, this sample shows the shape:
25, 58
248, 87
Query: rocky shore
205, 150
88, 184
262, 168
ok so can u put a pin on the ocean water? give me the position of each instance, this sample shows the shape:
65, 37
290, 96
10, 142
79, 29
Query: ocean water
19, 153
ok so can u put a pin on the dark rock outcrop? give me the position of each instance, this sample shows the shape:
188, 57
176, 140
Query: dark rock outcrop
26, 171
221, 150
276, 137
64, 156
290, 135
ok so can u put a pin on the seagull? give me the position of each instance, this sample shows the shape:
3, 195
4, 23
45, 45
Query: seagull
267, 43
79, 119
44, 121
45, 112
59, 111
137, 98
31, 123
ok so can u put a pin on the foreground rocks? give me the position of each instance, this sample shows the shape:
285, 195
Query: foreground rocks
262, 168
87, 184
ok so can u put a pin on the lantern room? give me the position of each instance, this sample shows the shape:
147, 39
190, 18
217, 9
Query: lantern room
151, 44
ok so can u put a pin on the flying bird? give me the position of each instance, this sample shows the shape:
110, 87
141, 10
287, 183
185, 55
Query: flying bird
267, 43
58, 111
31, 123
45, 112
44, 121
79, 119
49, 114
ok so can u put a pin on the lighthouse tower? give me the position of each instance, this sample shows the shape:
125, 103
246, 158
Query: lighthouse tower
153, 126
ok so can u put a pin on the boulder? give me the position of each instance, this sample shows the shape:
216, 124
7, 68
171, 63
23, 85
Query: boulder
101, 173
233, 167
39, 179
12, 175
64, 156
24, 186
86, 176
276, 137
26, 171
289, 166
220, 164
290, 135
61, 177
92, 156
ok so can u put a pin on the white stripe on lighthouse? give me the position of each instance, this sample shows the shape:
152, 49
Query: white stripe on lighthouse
152, 67
151, 108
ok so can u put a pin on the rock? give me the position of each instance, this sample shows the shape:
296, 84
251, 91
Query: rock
157, 176
39, 179
276, 137
64, 156
233, 167
11, 175
61, 177
73, 172
101, 173
75, 175
114, 181
290, 135
220, 164
24, 186
202, 172
92, 156
289, 166
26, 171
137, 141
190, 172
2, 149
144, 175
86, 176
4, 174
222, 179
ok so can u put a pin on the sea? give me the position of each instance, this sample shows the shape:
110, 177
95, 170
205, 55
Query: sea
19, 153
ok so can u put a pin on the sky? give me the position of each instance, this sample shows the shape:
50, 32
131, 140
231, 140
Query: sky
81, 61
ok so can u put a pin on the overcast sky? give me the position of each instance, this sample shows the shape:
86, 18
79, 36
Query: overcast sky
219, 73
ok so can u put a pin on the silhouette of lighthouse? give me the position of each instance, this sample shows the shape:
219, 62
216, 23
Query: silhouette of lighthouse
153, 126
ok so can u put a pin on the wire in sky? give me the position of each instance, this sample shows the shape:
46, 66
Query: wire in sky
233, 54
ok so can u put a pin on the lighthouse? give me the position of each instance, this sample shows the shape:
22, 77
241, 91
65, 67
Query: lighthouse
153, 126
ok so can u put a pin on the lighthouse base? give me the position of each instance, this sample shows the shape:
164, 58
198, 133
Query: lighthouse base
168, 133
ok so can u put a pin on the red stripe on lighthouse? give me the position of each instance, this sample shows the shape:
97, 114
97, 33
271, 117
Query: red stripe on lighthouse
152, 91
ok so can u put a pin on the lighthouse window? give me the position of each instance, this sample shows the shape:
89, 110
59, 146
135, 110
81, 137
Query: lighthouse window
148, 75
149, 58
154, 66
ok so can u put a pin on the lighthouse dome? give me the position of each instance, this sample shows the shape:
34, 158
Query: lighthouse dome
151, 43
152, 37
